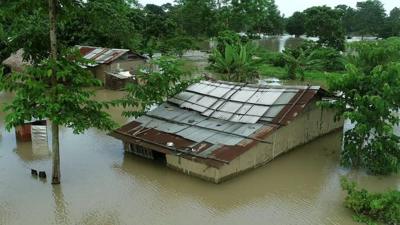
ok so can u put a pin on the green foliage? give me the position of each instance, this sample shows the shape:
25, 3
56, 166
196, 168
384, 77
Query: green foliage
164, 78
228, 37
367, 55
330, 59
370, 17
274, 58
325, 23
105, 23
156, 27
348, 18
237, 63
372, 208
61, 97
391, 26
255, 16
197, 17
310, 76
178, 45
369, 96
295, 24
298, 61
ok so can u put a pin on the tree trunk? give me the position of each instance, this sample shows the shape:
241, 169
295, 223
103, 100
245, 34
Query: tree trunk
53, 29
54, 126
56, 176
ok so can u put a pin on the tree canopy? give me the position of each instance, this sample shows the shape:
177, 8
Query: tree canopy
370, 17
325, 23
369, 98
295, 25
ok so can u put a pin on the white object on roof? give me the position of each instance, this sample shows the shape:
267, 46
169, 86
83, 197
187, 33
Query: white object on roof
270, 81
122, 75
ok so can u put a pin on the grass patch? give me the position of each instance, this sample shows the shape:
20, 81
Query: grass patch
267, 70
319, 78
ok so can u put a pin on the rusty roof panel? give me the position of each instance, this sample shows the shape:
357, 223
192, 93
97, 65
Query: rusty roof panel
224, 139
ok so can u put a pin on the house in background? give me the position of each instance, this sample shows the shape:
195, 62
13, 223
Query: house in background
16, 62
217, 130
114, 67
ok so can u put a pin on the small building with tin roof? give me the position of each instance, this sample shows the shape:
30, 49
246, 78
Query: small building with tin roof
109, 63
217, 130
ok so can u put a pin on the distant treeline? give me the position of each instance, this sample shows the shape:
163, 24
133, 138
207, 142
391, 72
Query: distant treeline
176, 27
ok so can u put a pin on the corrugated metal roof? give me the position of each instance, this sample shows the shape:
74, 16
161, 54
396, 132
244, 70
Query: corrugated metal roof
223, 119
193, 126
237, 102
103, 55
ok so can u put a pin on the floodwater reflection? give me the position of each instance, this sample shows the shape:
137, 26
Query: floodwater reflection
103, 185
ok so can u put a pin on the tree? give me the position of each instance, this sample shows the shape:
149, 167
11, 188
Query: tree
55, 88
325, 23
274, 22
56, 175
394, 21
108, 23
256, 17
391, 27
197, 17
370, 17
295, 24
178, 45
348, 18
368, 97
237, 63
158, 26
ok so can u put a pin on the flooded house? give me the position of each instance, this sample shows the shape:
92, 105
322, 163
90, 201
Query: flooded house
114, 67
217, 130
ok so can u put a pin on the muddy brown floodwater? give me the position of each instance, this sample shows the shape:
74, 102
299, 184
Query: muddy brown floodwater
102, 185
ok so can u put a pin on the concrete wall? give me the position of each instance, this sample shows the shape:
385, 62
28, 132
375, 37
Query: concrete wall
312, 123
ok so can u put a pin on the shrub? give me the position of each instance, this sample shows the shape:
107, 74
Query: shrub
372, 208
229, 37
331, 60
370, 54
275, 58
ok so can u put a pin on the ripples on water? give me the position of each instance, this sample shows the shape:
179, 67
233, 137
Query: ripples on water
103, 185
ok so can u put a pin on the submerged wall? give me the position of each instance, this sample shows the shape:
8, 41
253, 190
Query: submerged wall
312, 123
128, 65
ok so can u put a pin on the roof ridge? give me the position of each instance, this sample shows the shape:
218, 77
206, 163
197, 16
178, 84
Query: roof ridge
263, 86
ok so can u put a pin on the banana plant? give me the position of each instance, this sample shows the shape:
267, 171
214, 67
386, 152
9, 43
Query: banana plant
237, 63
298, 61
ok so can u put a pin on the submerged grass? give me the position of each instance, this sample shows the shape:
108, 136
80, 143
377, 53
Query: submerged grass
311, 77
